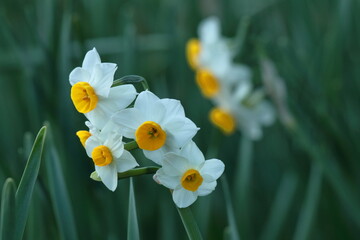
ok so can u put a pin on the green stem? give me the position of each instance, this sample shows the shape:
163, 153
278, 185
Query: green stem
131, 173
131, 145
189, 223
131, 79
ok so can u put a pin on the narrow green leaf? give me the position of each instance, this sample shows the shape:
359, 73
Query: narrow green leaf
189, 223
280, 208
241, 189
27, 182
232, 228
7, 216
308, 210
133, 226
59, 194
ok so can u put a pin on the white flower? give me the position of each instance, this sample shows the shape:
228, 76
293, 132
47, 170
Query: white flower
109, 156
91, 90
157, 125
188, 174
242, 108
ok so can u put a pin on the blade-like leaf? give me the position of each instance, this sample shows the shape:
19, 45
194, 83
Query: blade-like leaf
7, 210
58, 193
133, 226
232, 228
27, 182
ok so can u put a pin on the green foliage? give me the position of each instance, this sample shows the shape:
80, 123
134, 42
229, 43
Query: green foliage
7, 217
26, 186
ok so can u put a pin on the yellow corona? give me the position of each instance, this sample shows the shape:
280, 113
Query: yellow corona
191, 180
150, 136
83, 97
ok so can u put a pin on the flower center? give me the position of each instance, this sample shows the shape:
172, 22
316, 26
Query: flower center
83, 136
193, 48
101, 156
150, 136
191, 180
222, 119
207, 83
83, 97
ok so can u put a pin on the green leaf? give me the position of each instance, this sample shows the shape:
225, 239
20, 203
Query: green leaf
308, 210
280, 208
189, 223
232, 229
59, 194
27, 182
133, 226
7, 216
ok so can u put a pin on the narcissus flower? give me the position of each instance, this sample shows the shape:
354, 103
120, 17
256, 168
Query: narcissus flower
188, 174
91, 90
109, 156
242, 108
158, 125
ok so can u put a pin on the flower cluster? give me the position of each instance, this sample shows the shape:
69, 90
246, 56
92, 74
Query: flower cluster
227, 84
158, 126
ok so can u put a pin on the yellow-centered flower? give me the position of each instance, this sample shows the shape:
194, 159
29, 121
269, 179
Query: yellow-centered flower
188, 174
158, 125
91, 91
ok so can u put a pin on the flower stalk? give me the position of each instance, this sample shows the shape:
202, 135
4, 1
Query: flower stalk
131, 145
130, 173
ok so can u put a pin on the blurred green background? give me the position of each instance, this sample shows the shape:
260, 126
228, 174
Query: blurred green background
291, 184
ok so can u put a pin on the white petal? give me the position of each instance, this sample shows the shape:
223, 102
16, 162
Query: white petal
91, 143
184, 198
99, 116
125, 162
108, 175
157, 155
120, 97
128, 120
212, 169
170, 182
145, 100
174, 164
79, 75
238, 73
173, 108
191, 152
102, 80
209, 30
206, 188
91, 59
179, 136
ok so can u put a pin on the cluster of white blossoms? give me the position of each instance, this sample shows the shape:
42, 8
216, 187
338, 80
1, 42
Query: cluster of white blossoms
227, 84
158, 126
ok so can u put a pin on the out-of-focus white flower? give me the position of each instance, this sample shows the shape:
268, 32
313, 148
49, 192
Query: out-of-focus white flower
91, 90
188, 174
109, 156
158, 125
243, 109
211, 57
